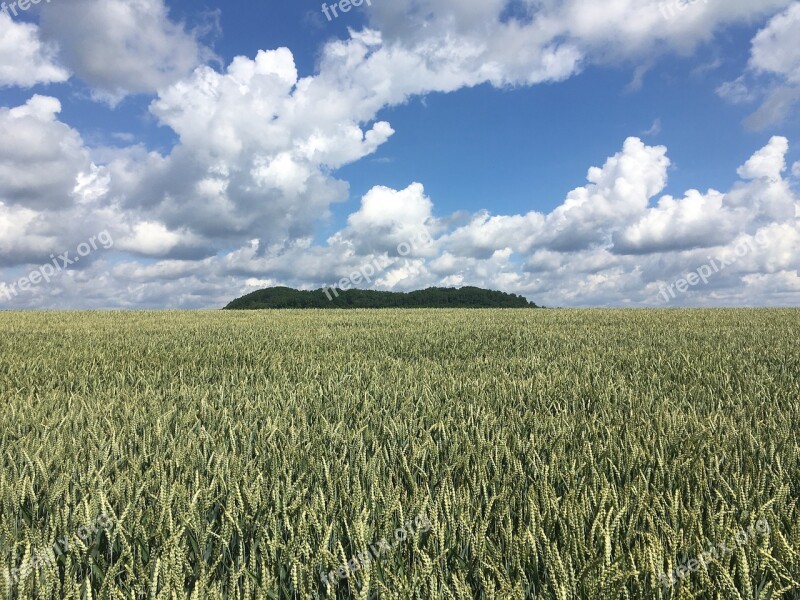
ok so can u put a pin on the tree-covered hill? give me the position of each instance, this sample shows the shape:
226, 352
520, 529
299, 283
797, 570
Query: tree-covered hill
466, 297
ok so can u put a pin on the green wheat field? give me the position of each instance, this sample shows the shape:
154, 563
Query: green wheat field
551, 454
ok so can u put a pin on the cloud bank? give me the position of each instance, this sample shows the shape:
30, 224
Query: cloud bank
237, 203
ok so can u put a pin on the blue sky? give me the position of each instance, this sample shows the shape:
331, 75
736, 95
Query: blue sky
329, 143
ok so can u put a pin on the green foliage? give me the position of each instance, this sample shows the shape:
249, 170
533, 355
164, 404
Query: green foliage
557, 454
466, 297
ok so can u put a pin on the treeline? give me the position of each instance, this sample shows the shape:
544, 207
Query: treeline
466, 297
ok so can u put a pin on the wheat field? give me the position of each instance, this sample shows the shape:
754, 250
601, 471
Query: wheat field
524, 454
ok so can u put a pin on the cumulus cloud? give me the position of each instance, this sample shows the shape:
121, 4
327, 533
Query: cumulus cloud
238, 201
775, 49
630, 244
529, 41
769, 162
618, 191
20, 242
52, 196
121, 47
388, 218
25, 59
488, 234
40, 156
154, 239
696, 221
257, 145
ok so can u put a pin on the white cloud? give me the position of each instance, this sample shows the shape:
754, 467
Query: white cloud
239, 199
486, 234
696, 221
549, 40
616, 193
256, 148
634, 248
121, 47
767, 163
40, 157
257, 142
607, 243
388, 218
773, 73
25, 59
775, 48
655, 128
153, 239
19, 241
736, 91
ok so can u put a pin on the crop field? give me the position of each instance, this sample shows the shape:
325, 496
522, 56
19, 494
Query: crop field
395, 454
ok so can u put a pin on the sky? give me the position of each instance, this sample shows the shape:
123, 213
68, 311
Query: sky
168, 154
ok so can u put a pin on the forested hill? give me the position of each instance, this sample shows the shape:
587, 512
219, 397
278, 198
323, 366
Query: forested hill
466, 297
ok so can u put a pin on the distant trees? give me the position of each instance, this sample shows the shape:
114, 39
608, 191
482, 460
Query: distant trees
466, 297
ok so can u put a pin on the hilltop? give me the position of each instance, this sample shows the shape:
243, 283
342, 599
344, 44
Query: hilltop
466, 297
